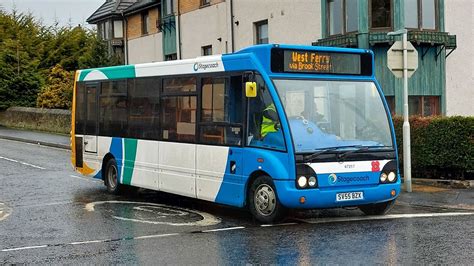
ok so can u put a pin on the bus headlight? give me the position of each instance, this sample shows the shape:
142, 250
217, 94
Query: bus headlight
383, 177
391, 177
312, 181
302, 181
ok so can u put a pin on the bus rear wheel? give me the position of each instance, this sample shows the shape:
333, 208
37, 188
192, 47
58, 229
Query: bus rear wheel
377, 208
111, 178
263, 201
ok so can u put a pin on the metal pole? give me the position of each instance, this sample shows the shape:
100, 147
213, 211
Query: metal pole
406, 123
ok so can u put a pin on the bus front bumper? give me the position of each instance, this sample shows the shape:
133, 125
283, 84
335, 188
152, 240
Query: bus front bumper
316, 198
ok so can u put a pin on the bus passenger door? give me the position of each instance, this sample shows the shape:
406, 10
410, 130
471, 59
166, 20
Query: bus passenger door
219, 156
90, 134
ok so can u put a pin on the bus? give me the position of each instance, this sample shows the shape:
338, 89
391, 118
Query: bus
269, 128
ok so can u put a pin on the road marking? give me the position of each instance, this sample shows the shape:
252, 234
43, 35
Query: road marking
282, 224
384, 217
24, 163
4, 211
223, 229
160, 211
86, 179
23, 248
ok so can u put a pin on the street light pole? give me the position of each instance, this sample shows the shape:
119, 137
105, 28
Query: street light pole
406, 123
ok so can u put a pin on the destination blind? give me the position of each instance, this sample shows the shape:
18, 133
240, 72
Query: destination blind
320, 62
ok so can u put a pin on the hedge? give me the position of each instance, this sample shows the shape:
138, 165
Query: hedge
441, 147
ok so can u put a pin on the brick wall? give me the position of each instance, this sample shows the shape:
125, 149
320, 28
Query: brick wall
186, 6
134, 26
134, 23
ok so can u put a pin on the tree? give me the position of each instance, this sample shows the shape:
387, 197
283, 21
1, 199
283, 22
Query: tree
57, 93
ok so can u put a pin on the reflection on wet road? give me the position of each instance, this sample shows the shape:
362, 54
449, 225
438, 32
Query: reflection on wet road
51, 215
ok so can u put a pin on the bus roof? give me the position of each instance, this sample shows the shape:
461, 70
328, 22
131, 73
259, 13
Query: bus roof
244, 59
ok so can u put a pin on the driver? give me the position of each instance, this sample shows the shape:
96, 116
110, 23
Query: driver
270, 122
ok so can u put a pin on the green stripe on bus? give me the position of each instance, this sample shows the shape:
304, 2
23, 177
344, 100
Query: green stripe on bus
129, 164
116, 72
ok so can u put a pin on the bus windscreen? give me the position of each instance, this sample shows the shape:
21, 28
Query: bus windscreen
319, 62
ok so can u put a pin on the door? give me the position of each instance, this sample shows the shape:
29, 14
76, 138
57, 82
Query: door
91, 127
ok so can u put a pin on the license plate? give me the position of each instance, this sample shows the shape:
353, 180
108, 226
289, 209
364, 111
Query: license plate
349, 196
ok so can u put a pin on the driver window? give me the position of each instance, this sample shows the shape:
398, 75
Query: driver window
264, 127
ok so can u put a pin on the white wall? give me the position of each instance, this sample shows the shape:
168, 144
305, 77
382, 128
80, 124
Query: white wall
289, 21
459, 65
203, 27
145, 49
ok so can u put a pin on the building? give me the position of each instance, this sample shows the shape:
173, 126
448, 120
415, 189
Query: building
179, 29
368, 29
157, 30
109, 20
460, 66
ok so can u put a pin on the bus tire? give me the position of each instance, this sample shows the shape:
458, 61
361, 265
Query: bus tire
111, 178
377, 208
263, 201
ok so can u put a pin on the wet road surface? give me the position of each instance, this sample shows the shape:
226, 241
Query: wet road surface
49, 214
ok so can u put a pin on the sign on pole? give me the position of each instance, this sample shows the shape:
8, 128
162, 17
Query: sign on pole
395, 59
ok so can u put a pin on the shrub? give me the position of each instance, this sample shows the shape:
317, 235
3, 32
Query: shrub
441, 147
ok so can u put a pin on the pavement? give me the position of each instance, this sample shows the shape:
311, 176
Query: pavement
36, 137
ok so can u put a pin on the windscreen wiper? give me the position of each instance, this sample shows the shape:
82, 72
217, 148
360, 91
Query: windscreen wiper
322, 151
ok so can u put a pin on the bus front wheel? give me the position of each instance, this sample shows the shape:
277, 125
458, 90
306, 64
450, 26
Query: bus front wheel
377, 208
111, 177
263, 201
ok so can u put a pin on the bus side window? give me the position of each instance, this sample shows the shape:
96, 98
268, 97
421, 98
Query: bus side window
113, 108
264, 127
144, 102
80, 108
221, 111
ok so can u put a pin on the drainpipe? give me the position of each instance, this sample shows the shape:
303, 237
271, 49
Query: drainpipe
178, 33
125, 38
232, 25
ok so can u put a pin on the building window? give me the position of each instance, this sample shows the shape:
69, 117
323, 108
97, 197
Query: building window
380, 14
205, 2
168, 7
343, 16
391, 104
145, 23
424, 105
206, 50
170, 57
118, 29
420, 14
261, 32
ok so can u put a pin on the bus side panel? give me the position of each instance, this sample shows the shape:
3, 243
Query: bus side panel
141, 170
276, 164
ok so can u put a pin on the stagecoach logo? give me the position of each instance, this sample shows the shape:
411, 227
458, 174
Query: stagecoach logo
332, 179
205, 66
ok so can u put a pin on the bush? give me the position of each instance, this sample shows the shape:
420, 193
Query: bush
58, 90
441, 147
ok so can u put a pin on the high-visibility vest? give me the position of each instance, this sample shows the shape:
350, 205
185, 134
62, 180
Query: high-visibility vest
268, 125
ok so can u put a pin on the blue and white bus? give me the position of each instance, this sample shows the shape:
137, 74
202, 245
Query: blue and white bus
270, 127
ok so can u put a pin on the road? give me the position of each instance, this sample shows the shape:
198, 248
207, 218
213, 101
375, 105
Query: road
51, 215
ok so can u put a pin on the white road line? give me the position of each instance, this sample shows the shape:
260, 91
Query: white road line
23, 248
89, 242
24, 163
85, 179
282, 224
155, 236
385, 217
223, 229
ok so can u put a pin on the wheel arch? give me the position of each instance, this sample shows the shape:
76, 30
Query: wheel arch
254, 175
106, 158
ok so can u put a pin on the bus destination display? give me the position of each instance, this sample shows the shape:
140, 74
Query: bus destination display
297, 61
